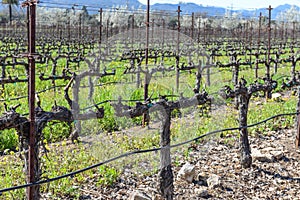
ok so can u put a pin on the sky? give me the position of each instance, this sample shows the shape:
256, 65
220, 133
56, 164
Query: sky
235, 4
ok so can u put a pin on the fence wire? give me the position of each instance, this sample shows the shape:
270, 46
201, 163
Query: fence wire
72, 174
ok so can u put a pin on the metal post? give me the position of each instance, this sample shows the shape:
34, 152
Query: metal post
79, 28
163, 33
69, 29
100, 26
132, 31
107, 27
268, 93
259, 29
247, 35
282, 31
199, 29
275, 33
31, 88
28, 27
177, 56
294, 31
204, 32
251, 34
146, 115
152, 32
297, 141
269, 43
193, 20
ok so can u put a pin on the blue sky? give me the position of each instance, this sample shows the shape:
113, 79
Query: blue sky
236, 4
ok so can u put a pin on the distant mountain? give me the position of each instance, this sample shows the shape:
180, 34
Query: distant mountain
96, 3
274, 13
188, 8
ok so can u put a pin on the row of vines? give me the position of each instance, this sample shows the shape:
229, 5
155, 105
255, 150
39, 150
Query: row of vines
91, 78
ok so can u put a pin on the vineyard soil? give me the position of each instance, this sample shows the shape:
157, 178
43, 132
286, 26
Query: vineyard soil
275, 172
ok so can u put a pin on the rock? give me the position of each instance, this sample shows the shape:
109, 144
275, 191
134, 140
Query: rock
201, 192
257, 155
187, 172
258, 103
268, 149
277, 154
276, 96
138, 195
158, 197
213, 181
202, 179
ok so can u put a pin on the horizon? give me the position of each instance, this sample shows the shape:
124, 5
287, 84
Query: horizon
232, 4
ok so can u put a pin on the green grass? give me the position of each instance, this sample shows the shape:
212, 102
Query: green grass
60, 159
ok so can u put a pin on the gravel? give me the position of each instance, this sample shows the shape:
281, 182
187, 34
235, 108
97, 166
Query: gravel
275, 172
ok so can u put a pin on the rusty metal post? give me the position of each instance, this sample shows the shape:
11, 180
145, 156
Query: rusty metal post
199, 29
258, 46
163, 33
177, 56
132, 31
31, 192
282, 31
247, 33
28, 27
269, 43
147, 46
286, 37
193, 22
259, 30
100, 26
153, 25
275, 32
297, 141
204, 32
268, 93
79, 28
250, 45
293, 31
146, 115
69, 29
